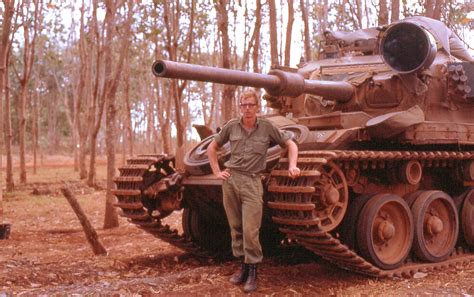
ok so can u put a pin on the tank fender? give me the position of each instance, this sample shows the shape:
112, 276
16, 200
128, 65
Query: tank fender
391, 124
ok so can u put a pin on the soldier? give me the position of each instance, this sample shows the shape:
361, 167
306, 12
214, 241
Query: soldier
249, 138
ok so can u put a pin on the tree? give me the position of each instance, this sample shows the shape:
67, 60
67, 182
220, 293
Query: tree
383, 13
24, 78
171, 19
256, 46
307, 40
98, 100
35, 116
273, 33
223, 26
395, 15
433, 8
112, 79
128, 137
5, 121
81, 114
289, 28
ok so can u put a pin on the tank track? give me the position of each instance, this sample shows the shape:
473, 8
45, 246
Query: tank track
131, 186
292, 211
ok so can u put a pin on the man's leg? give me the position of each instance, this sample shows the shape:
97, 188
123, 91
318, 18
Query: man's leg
233, 210
252, 202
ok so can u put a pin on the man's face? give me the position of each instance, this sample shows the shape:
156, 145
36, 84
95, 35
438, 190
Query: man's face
248, 107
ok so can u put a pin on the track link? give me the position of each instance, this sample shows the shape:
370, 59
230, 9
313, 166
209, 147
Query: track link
291, 204
131, 186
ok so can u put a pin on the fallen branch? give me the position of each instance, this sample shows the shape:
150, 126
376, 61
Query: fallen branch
90, 232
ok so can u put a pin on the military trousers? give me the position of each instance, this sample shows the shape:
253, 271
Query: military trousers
243, 204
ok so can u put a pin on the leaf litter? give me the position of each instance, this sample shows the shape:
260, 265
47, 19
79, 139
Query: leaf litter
47, 254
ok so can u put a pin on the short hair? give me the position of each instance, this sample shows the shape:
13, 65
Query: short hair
250, 93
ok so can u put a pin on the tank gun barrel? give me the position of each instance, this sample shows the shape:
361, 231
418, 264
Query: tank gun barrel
276, 82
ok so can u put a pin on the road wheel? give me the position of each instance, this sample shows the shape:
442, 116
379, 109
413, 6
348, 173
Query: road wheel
467, 218
436, 226
211, 236
385, 231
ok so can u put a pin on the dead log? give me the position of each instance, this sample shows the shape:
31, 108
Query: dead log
90, 232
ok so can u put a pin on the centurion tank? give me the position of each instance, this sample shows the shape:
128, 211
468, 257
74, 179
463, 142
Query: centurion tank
384, 124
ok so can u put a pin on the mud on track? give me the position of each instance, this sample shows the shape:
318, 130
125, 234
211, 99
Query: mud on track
47, 253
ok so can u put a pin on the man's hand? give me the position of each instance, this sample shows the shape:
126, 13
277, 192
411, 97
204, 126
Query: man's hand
212, 154
224, 175
294, 171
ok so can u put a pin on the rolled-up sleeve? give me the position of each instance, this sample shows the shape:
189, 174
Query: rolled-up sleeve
279, 136
223, 136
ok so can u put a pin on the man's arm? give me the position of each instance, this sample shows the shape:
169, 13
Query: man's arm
212, 154
293, 170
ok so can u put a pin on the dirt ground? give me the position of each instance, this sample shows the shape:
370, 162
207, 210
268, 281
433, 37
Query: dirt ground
47, 254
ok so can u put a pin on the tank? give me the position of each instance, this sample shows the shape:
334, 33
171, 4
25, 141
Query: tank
383, 121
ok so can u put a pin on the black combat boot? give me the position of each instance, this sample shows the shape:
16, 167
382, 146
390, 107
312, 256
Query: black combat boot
240, 275
251, 283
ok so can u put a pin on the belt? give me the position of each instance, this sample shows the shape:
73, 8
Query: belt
246, 173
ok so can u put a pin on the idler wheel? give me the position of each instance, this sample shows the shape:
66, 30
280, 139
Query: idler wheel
436, 226
385, 231
331, 196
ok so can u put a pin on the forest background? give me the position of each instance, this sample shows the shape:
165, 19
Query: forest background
75, 77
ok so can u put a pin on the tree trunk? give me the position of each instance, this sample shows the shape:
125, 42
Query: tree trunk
223, 26
322, 16
82, 124
163, 103
429, 8
111, 216
383, 13
22, 131
5, 125
36, 102
289, 28
171, 20
150, 121
52, 124
273, 33
28, 58
110, 88
10, 186
395, 15
256, 47
128, 135
438, 9
97, 101
307, 41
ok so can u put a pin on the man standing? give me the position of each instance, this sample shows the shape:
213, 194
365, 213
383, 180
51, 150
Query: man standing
249, 138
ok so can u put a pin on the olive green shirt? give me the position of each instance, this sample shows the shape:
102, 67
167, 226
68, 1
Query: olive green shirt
249, 150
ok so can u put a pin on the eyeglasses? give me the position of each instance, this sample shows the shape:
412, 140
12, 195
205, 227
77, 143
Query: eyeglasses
247, 105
